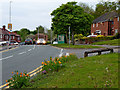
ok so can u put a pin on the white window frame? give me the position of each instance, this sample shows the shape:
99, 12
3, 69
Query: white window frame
99, 31
116, 31
13, 37
96, 24
93, 25
118, 19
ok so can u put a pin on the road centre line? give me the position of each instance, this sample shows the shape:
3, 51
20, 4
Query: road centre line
22, 52
6, 57
29, 49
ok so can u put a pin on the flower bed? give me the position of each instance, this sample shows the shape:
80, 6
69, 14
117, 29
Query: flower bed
18, 80
55, 64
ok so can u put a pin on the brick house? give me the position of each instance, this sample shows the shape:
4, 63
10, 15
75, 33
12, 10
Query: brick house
5, 35
42, 35
107, 24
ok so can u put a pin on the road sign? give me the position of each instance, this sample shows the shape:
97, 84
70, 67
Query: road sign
10, 26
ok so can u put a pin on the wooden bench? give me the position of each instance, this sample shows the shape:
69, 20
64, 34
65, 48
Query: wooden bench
98, 51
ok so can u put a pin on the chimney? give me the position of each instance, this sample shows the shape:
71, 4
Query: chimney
3, 27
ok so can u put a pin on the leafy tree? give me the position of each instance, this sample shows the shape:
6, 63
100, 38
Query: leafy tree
40, 28
72, 15
24, 32
103, 7
88, 9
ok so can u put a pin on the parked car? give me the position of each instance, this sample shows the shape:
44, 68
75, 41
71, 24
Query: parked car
41, 41
22, 43
55, 42
16, 43
28, 42
92, 36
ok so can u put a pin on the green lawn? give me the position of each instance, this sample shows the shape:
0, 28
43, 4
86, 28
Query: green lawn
75, 46
109, 42
97, 71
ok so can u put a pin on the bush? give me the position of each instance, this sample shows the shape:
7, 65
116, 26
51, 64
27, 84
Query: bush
18, 80
55, 64
116, 36
96, 39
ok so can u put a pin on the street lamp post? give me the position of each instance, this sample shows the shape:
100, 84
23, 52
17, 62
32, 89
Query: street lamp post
10, 27
38, 33
51, 36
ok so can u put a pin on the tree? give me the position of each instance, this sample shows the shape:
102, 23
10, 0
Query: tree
88, 9
103, 7
24, 32
72, 15
40, 28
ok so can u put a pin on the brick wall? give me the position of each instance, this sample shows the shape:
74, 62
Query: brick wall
103, 26
116, 24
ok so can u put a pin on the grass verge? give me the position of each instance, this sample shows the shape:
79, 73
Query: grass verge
75, 46
109, 42
91, 72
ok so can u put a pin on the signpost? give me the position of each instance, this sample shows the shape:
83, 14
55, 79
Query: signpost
10, 26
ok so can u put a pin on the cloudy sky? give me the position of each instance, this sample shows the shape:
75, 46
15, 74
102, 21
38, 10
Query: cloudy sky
32, 13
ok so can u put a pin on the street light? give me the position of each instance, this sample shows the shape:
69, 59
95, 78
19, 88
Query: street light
10, 25
38, 32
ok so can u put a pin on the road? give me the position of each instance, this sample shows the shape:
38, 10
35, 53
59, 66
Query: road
25, 58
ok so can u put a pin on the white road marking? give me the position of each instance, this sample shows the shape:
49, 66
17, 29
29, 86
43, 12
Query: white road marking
22, 52
61, 53
34, 47
6, 57
29, 49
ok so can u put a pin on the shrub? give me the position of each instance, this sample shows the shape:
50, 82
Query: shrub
18, 80
55, 64
116, 36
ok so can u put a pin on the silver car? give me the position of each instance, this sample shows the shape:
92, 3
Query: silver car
41, 41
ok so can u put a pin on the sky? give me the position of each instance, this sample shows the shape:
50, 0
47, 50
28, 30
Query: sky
32, 13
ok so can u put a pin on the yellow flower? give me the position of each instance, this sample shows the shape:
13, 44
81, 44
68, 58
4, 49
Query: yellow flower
6, 84
27, 74
57, 59
12, 72
45, 64
23, 74
42, 62
17, 73
48, 61
59, 62
6, 80
20, 75
54, 62
65, 56
11, 78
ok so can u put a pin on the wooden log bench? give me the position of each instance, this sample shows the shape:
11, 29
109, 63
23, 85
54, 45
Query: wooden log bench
98, 51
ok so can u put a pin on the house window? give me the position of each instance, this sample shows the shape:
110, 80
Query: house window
118, 18
98, 32
93, 25
13, 37
116, 31
7, 37
97, 25
0, 35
